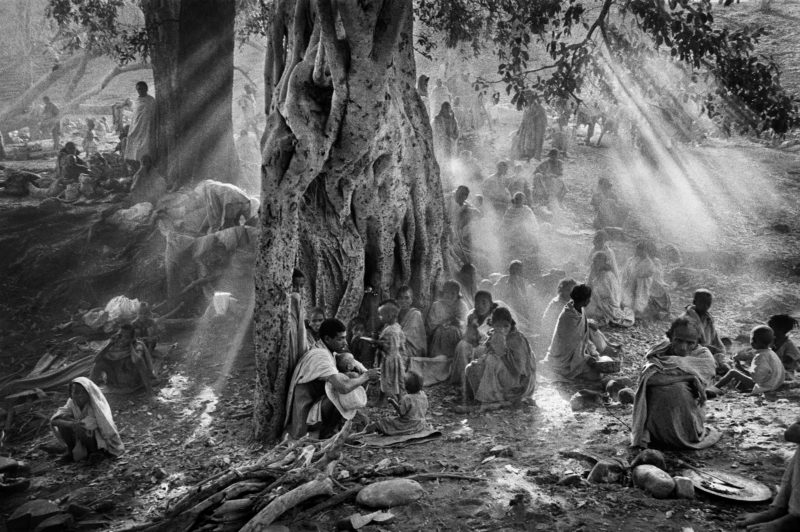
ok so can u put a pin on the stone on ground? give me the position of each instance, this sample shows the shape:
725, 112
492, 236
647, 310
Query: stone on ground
133, 218
30, 514
684, 489
55, 523
653, 480
651, 457
389, 493
607, 471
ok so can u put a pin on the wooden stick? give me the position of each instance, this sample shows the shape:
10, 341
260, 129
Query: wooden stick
330, 503
216, 483
287, 501
433, 476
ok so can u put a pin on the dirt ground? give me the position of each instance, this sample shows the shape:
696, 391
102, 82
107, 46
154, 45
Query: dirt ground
198, 423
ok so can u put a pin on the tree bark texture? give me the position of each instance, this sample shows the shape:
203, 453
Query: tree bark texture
191, 49
350, 186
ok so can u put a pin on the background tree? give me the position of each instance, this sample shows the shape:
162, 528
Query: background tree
190, 44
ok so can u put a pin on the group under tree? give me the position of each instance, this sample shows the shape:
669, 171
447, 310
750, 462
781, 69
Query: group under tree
350, 186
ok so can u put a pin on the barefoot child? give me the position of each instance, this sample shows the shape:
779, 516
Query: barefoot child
392, 342
411, 410
784, 347
784, 512
766, 372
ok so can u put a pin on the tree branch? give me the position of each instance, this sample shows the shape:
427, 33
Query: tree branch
333, 48
246, 75
19, 105
600, 20
79, 73
523, 73
387, 29
257, 46
116, 71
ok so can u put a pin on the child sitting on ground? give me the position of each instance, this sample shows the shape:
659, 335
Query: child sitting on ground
411, 410
784, 512
766, 372
392, 341
784, 347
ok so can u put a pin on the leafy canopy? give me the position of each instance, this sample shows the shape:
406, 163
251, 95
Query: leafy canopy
573, 33
568, 34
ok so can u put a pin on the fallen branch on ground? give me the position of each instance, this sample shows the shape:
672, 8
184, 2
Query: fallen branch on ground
258, 492
290, 476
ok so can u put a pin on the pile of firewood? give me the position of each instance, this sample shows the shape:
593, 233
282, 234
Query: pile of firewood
253, 496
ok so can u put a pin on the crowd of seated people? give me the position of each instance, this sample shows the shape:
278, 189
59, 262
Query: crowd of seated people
482, 333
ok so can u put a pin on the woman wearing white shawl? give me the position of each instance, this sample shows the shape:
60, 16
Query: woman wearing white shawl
575, 346
84, 424
606, 304
644, 288
668, 411
520, 230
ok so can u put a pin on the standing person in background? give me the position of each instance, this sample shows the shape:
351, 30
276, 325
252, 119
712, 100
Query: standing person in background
529, 138
142, 132
91, 138
52, 121
247, 103
438, 96
445, 135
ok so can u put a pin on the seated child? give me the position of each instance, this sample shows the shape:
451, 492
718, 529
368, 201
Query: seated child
85, 425
784, 512
392, 341
766, 373
411, 410
784, 347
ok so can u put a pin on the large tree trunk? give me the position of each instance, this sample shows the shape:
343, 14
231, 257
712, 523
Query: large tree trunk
191, 48
350, 185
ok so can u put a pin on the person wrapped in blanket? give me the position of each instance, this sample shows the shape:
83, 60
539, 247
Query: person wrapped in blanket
85, 425
668, 410
506, 373
126, 362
